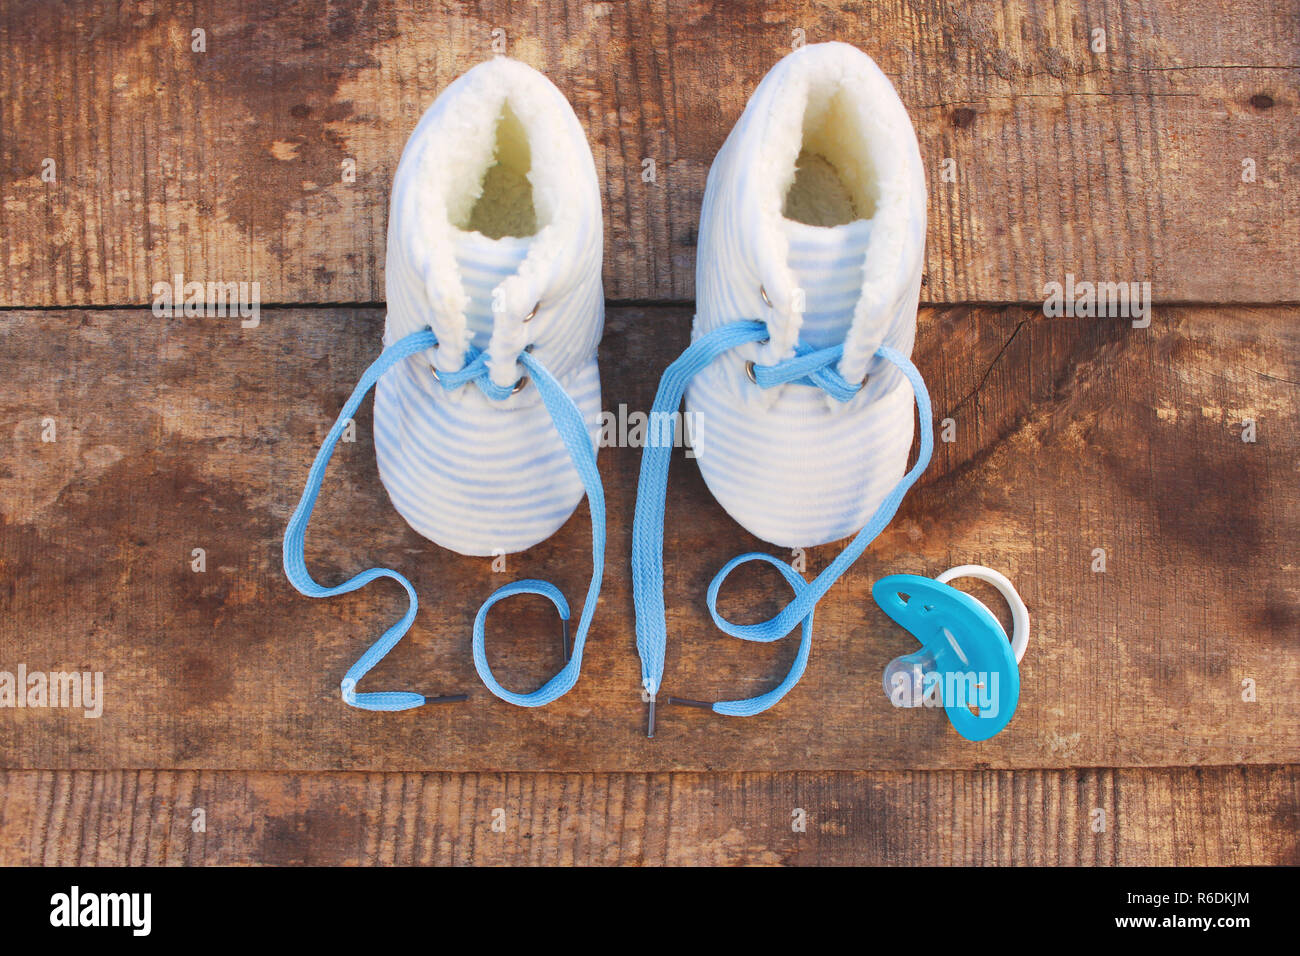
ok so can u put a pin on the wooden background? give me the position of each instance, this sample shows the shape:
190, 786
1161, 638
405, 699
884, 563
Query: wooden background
1071, 435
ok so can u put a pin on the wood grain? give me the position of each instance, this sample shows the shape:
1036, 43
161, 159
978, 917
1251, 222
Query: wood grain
227, 164
1070, 435
1172, 817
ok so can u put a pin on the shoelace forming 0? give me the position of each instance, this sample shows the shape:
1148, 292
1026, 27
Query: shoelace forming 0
569, 423
808, 367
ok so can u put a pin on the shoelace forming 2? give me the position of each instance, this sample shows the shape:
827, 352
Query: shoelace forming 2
811, 367
569, 423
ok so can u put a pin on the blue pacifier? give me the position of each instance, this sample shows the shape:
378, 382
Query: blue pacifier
966, 664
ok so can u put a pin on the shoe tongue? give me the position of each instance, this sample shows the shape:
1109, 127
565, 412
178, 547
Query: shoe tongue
827, 265
484, 264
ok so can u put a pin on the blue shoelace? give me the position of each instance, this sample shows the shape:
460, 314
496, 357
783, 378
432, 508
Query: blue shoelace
808, 366
569, 423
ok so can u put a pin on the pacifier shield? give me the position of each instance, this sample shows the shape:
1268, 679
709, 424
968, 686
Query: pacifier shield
969, 659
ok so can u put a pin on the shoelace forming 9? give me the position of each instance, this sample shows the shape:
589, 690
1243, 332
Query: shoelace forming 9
808, 367
569, 423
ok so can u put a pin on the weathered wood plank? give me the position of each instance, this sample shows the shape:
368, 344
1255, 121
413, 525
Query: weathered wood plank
1070, 435
227, 164
1203, 817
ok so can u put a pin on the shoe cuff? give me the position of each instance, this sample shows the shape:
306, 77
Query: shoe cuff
744, 247
438, 180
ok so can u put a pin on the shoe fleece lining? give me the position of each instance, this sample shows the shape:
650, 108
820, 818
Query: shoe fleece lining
505, 203
833, 180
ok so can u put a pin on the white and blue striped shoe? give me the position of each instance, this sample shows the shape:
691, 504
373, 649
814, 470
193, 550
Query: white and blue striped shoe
814, 221
811, 247
494, 241
487, 402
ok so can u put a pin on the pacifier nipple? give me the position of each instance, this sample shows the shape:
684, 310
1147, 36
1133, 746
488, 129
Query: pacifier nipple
905, 683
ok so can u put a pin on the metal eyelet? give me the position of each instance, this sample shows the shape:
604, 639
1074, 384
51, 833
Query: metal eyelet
749, 370
763, 292
519, 385
533, 314
863, 384
433, 368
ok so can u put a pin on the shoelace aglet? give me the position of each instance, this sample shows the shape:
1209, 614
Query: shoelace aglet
449, 699
564, 639
650, 717
687, 702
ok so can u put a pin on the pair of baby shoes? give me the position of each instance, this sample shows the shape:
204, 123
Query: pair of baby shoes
488, 399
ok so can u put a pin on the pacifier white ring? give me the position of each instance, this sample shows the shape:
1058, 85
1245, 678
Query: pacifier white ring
1019, 613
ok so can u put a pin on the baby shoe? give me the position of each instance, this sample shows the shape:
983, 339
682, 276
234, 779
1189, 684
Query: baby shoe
811, 240
487, 401
814, 221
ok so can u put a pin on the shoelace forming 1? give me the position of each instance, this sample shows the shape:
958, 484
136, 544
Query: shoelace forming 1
569, 423
807, 367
